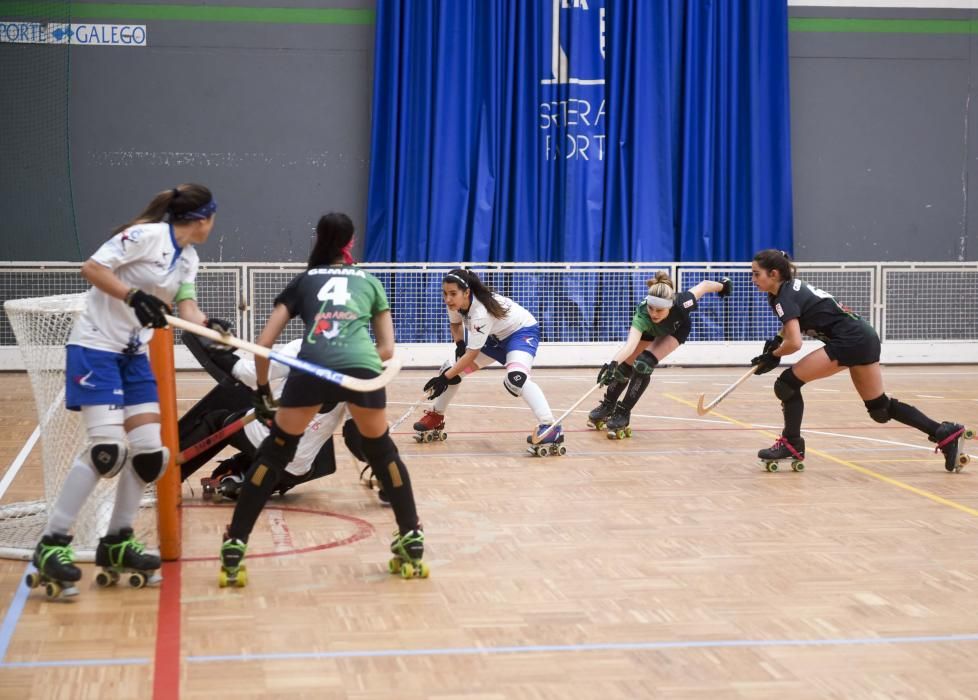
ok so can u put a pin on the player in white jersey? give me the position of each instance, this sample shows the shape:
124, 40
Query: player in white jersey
487, 328
147, 265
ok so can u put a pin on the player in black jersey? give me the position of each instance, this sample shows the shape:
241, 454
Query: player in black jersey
336, 301
850, 343
659, 325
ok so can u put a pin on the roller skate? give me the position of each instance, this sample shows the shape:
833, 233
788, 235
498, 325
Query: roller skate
431, 427
948, 437
233, 572
552, 443
123, 554
408, 548
784, 451
617, 425
598, 416
56, 571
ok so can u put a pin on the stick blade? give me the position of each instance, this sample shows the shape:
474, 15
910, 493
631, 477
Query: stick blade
701, 410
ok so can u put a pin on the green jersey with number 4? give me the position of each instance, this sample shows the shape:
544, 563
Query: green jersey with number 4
336, 304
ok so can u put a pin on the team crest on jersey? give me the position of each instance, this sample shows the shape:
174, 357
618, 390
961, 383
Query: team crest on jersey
688, 303
325, 327
131, 235
777, 307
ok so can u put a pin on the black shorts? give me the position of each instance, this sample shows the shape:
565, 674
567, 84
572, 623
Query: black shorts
303, 389
681, 334
860, 346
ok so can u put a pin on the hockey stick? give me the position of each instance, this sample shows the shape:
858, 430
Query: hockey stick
211, 440
535, 439
408, 412
391, 366
703, 410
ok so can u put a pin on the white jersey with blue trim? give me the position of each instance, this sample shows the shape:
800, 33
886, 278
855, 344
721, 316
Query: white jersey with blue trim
145, 256
480, 324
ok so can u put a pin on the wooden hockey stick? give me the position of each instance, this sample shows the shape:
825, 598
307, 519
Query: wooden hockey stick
703, 410
535, 439
211, 440
411, 409
391, 366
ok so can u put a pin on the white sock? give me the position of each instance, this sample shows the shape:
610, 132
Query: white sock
441, 403
128, 495
533, 395
75, 490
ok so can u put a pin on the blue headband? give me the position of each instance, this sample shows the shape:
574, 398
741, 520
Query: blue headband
205, 211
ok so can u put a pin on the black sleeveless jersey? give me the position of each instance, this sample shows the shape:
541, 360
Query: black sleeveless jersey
819, 314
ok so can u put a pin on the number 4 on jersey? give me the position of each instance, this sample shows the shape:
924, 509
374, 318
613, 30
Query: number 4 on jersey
334, 291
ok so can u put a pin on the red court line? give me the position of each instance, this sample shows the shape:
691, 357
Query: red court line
166, 666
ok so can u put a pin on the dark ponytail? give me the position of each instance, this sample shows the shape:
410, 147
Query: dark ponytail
466, 279
779, 260
333, 232
178, 202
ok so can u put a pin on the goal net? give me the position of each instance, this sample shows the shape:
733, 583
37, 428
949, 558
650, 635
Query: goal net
41, 326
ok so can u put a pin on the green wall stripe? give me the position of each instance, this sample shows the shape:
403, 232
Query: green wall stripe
188, 13
882, 26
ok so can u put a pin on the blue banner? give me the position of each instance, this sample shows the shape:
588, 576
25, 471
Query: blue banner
579, 130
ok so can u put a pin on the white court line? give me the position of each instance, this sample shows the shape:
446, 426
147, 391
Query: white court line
928, 396
558, 411
833, 391
19, 461
853, 437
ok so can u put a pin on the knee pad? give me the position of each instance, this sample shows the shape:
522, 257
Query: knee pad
514, 381
879, 408
382, 455
646, 362
787, 386
149, 466
274, 454
353, 440
105, 457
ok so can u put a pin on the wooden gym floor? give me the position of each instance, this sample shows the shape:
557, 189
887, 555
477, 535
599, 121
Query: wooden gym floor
669, 565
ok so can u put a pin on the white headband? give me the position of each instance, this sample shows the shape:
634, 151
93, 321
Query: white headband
658, 302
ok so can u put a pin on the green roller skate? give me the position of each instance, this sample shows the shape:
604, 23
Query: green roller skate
54, 560
408, 548
233, 572
123, 554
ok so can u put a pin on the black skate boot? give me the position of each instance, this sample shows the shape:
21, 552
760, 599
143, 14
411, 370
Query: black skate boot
233, 571
784, 450
431, 427
123, 554
54, 561
599, 414
617, 425
948, 437
408, 548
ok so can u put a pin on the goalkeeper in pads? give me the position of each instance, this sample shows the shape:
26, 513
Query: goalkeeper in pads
148, 265
660, 324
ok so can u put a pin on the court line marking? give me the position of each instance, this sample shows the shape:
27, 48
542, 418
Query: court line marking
604, 646
855, 467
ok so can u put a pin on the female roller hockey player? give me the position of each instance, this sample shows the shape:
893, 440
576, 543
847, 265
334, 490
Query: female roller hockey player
148, 264
230, 401
336, 302
660, 324
850, 343
487, 328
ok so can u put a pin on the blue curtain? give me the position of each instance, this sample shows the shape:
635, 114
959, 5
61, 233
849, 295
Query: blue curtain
579, 130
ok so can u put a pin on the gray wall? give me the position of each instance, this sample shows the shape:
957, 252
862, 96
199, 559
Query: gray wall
275, 118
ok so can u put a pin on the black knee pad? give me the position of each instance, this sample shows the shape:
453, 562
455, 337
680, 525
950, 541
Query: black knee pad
879, 408
646, 362
149, 466
383, 457
514, 382
274, 454
787, 387
353, 439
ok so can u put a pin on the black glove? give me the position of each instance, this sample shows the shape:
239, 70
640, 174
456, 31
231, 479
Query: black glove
773, 344
765, 362
727, 287
436, 386
609, 373
264, 403
220, 325
149, 309
459, 349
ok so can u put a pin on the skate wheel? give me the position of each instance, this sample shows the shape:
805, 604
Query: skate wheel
771, 466
561, 450
628, 432
541, 451
418, 438
443, 436
969, 434
33, 579
394, 565
103, 580
428, 437
137, 579
423, 570
241, 580
798, 466
222, 578
407, 570
621, 435
52, 589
